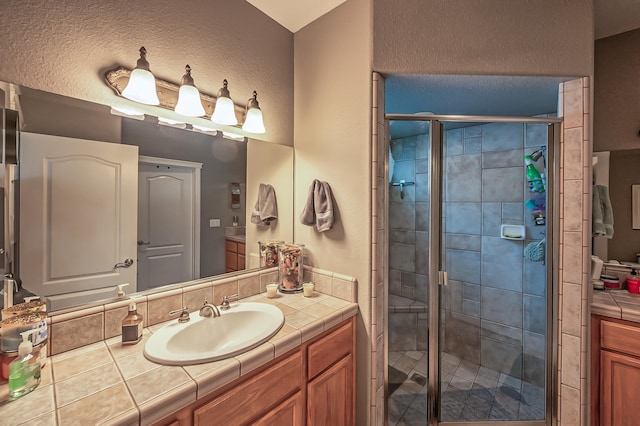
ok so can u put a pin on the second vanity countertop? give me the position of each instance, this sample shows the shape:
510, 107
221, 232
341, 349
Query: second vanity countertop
616, 304
108, 383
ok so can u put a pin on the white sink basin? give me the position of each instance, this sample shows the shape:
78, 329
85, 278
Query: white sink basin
241, 328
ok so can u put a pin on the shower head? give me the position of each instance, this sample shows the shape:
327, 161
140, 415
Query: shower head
535, 155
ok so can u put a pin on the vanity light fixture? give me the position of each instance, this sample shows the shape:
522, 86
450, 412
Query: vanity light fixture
204, 129
142, 84
189, 102
224, 111
220, 111
172, 123
127, 112
232, 136
253, 116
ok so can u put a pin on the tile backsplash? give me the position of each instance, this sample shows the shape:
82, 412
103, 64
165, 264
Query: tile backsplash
74, 328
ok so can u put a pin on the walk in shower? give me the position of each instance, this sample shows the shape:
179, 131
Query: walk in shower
468, 293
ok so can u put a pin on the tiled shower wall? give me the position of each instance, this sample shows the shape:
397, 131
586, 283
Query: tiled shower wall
571, 261
409, 245
495, 310
484, 187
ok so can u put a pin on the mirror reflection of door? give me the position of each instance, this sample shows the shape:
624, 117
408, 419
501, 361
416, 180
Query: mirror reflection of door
77, 212
168, 222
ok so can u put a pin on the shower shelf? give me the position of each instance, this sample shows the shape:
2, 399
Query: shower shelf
512, 232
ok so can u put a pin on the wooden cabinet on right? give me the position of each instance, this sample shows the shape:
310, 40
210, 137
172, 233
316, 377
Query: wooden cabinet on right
618, 355
330, 391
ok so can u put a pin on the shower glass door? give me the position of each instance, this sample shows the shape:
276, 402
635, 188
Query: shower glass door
489, 270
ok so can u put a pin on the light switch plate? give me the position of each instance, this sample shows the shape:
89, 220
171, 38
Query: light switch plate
214, 223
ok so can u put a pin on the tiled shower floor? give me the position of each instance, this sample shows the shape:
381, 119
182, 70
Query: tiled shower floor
470, 392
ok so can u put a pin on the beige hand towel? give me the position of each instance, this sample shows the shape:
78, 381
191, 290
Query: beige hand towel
266, 208
318, 210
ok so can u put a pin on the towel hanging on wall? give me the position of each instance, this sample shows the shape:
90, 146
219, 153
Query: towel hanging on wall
318, 210
601, 212
266, 208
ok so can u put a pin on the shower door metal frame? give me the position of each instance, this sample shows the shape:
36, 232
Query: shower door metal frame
437, 272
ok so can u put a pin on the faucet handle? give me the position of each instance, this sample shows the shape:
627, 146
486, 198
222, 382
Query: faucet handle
225, 301
184, 314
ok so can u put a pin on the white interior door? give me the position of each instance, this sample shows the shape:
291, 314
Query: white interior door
77, 218
168, 222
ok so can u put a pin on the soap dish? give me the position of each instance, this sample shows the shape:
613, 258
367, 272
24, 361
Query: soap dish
512, 232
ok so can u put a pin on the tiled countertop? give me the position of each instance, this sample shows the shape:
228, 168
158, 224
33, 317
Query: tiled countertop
109, 383
236, 238
616, 304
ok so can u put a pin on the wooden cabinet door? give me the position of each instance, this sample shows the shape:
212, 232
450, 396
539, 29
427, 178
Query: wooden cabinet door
255, 396
289, 413
330, 396
619, 399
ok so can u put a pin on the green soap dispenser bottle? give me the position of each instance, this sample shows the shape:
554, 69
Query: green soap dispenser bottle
24, 371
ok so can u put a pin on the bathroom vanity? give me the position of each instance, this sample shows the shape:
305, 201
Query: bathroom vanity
308, 365
234, 254
317, 378
615, 358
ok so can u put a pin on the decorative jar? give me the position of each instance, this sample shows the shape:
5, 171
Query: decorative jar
290, 267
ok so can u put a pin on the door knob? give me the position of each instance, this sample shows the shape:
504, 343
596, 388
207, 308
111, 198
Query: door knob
127, 262
143, 243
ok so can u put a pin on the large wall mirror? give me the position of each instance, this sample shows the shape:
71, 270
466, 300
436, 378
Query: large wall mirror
618, 172
616, 156
107, 200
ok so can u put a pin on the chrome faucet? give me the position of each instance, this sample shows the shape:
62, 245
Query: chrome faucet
184, 314
225, 301
215, 312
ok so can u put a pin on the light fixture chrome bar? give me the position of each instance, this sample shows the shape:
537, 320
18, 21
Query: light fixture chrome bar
472, 118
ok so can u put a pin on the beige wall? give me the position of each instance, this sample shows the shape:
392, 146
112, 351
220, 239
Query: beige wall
503, 37
278, 174
332, 133
66, 46
617, 92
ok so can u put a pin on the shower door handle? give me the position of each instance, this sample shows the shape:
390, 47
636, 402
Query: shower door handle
443, 278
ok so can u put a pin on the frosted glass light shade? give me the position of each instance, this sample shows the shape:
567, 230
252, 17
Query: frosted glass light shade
171, 123
233, 136
224, 112
253, 122
141, 87
189, 102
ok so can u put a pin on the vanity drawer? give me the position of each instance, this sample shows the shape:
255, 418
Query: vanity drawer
240, 248
620, 337
231, 246
256, 396
329, 349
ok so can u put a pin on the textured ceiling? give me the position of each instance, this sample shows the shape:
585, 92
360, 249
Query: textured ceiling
615, 16
611, 16
295, 14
